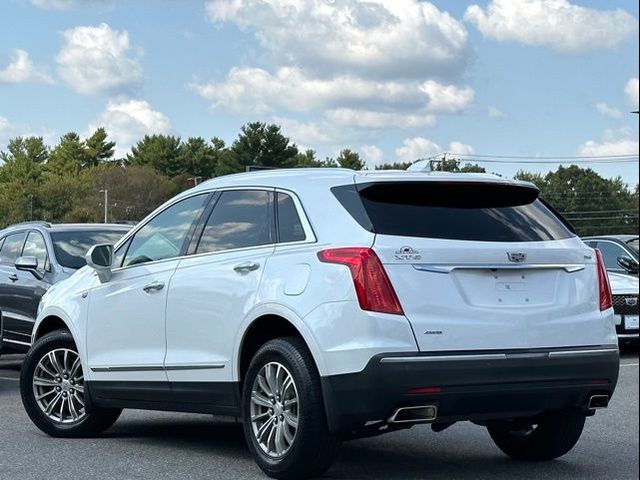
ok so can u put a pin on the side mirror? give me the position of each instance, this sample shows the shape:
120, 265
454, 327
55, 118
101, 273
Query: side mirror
629, 264
100, 257
28, 264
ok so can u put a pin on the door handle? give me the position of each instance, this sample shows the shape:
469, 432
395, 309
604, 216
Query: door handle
13, 277
246, 267
153, 287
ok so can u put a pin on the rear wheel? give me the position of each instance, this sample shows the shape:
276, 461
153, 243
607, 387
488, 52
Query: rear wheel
52, 390
551, 437
283, 412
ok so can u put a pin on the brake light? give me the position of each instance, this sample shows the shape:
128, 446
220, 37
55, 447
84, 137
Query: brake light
604, 287
373, 288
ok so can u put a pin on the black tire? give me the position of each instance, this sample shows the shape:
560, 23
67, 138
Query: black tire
313, 447
553, 436
91, 424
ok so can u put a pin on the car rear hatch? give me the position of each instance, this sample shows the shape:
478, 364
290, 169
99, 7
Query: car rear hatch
482, 265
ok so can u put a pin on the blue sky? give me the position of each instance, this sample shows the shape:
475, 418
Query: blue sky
391, 79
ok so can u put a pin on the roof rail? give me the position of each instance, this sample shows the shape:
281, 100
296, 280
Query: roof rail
34, 222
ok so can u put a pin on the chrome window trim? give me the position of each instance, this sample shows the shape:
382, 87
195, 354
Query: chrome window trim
306, 224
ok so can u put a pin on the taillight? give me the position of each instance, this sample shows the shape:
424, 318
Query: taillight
373, 288
604, 287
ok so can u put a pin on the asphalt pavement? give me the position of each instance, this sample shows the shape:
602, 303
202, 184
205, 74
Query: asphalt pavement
153, 445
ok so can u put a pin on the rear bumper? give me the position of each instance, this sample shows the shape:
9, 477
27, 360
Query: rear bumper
477, 386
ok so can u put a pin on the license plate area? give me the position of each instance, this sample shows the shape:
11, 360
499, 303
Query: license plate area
631, 322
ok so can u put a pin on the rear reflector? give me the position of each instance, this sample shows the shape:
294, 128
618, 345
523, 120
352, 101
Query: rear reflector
604, 287
424, 391
373, 288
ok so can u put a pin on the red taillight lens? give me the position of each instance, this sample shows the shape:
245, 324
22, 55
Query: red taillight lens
604, 287
372, 285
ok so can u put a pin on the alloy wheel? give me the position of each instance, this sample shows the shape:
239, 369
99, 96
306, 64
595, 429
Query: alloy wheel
58, 386
274, 409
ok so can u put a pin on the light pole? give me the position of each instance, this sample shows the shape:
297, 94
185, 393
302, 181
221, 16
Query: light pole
106, 204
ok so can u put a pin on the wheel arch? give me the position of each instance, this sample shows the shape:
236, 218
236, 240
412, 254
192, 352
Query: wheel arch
266, 325
49, 324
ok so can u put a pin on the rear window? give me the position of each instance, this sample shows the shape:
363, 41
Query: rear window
70, 247
453, 210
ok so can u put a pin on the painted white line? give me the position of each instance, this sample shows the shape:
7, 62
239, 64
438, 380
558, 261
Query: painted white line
10, 378
628, 364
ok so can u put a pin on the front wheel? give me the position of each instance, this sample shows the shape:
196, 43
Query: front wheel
283, 412
551, 437
52, 390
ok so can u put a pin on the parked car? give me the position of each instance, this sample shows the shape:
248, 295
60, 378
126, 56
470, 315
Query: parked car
319, 305
625, 305
34, 256
620, 252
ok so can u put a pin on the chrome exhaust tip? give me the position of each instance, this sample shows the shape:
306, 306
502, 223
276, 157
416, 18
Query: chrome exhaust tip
417, 414
598, 401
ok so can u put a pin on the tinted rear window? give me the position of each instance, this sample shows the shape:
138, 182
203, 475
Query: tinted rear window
70, 247
453, 210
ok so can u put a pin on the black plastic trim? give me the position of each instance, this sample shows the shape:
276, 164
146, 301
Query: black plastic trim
220, 398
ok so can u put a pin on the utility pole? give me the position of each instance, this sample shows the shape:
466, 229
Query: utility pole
106, 204
31, 209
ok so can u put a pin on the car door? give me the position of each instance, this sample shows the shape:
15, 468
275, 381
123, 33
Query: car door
11, 291
126, 316
30, 287
213, 290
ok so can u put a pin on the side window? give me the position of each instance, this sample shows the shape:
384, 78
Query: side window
592, 243
35, 247
241, 218
610, 253
11, 248
289, 225
165, 234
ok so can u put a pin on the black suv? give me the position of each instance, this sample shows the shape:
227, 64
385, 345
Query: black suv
34, 256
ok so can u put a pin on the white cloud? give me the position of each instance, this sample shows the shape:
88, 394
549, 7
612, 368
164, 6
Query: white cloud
97, 60
372, 156
418, 147
621, 141
9, 130
303, 133
21, 69
460, 148
379, 38
362, 118
611, 112
558, 24
495, 112
631, 91
415, 148
257, 91
128, 121
447, 98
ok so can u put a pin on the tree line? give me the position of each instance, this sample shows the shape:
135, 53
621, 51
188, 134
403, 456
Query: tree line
66, 182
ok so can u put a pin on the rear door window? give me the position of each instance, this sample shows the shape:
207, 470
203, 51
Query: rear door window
240, 219
12, 248
488, 212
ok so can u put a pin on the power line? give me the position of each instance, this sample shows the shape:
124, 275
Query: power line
541, 157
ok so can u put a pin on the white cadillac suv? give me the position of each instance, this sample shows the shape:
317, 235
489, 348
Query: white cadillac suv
318, 305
